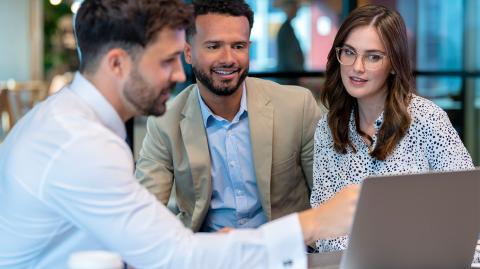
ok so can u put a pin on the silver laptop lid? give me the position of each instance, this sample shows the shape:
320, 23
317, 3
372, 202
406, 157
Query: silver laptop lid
416, 221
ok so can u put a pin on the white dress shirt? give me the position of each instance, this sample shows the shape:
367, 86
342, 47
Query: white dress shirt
67, 184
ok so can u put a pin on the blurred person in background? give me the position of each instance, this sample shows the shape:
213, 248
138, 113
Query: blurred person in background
289, 52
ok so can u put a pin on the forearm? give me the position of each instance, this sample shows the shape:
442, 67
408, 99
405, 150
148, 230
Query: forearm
331, 219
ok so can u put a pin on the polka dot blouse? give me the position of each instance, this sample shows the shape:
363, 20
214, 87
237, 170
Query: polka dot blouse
431, 143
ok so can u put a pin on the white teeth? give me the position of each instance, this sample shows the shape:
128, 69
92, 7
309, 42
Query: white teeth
357, 79
223, 72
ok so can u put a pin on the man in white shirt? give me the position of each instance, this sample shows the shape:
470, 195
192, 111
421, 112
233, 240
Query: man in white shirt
66, 173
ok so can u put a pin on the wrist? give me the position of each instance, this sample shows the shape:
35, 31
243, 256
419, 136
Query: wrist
308, 225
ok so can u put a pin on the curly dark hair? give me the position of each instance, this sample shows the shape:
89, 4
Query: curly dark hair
392, 31
236, 8
101, 25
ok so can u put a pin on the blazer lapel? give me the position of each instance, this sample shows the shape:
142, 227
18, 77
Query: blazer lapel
195, 141
260, 116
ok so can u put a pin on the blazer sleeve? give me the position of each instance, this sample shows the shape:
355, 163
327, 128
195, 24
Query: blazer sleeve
311, 116
154, 168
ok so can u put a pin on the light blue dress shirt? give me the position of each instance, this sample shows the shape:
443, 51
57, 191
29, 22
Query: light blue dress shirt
235, 200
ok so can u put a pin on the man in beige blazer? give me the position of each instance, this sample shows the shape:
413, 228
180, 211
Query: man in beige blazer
176, 158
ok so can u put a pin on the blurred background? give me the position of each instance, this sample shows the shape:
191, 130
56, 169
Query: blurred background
38, 53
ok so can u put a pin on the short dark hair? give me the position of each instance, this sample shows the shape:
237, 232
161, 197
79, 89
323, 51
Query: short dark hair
101, 25
236, 8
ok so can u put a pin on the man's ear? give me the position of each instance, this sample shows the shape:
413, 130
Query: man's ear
188, 53
118, 62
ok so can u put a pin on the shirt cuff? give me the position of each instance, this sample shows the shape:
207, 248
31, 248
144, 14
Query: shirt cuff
284, 242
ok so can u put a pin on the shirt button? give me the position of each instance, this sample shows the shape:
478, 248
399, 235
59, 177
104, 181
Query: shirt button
242, 221
232, 163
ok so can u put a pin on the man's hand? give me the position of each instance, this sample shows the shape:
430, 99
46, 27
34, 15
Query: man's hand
331, 219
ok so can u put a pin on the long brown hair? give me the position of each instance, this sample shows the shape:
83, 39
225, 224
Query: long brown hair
392, 31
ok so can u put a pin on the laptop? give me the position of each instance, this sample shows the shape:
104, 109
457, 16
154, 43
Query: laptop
417, 221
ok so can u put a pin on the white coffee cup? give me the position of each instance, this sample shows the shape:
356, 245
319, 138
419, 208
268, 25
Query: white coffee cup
95, 260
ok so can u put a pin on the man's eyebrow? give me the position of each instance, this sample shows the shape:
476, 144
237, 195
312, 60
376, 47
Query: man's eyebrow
241, 43
175, 53
213, 42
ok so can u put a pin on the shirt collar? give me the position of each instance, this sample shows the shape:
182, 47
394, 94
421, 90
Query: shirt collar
207, 113
97, 102
353, 128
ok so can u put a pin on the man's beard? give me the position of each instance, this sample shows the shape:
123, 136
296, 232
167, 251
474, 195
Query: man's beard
218, 90
141, 95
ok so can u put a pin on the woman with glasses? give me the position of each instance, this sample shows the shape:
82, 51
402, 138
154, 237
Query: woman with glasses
376, 125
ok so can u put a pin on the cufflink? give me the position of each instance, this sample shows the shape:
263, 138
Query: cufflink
287, 263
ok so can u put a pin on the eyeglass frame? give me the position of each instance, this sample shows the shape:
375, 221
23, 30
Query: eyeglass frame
338, 51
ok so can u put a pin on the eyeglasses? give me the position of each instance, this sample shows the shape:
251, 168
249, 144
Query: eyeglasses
371, 60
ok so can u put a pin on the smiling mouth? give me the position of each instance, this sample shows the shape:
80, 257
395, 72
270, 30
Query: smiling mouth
225, 72
357, 79
164, 96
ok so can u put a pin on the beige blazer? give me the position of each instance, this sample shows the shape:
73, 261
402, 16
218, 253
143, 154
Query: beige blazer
282, 119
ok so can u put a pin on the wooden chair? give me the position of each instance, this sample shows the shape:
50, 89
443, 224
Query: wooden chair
16, 99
